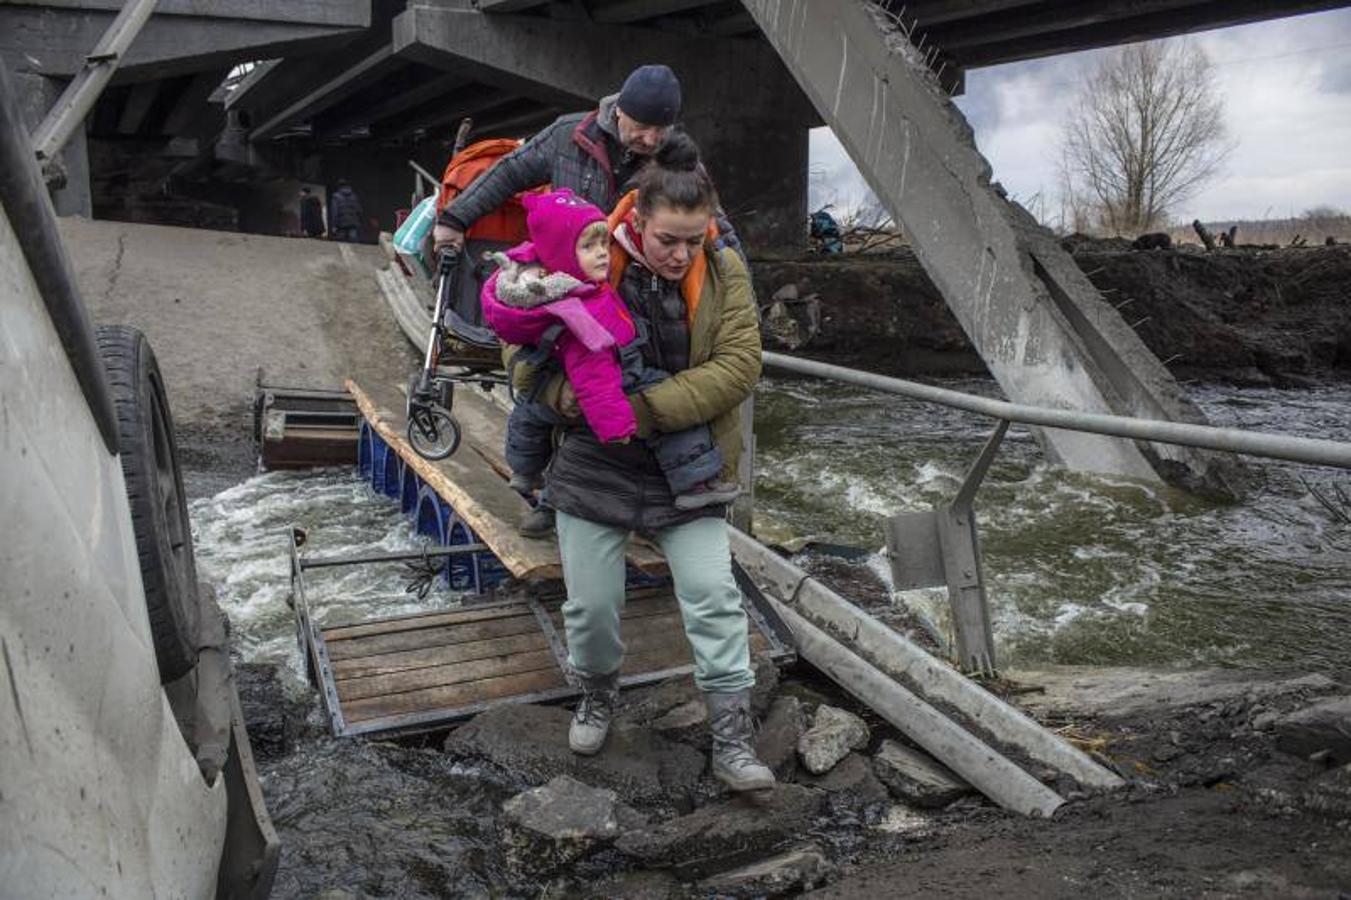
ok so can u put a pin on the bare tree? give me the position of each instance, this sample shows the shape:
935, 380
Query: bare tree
1144, 132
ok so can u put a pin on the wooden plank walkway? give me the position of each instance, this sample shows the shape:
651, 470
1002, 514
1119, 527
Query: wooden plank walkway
428, 669
473, 480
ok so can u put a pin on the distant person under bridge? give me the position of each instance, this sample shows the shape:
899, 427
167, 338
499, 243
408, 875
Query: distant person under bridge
345, 214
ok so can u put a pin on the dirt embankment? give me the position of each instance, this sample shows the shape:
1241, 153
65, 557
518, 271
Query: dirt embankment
1247, 316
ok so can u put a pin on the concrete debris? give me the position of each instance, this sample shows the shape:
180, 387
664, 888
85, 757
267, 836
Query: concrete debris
1331, 794
636, 885
1116, 692
647, 704
916, 778
833, 734
546, 828
687, 723
1325, 725
797, 870
712, 838
766, 684
776, 744
531, 744
852, 775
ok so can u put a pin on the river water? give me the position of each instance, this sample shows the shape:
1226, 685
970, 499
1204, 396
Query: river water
1080, 569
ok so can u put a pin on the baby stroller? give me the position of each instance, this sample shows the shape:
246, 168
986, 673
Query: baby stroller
461, 349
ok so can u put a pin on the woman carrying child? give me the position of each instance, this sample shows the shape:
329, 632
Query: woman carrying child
696, 358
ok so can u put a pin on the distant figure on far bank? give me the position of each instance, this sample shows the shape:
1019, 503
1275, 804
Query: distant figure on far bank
311, 214
345, 215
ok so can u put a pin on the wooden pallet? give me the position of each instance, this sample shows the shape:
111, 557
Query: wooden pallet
425, 670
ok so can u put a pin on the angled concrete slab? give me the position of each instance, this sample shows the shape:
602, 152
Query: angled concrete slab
342, 85
52, 38
1045, 333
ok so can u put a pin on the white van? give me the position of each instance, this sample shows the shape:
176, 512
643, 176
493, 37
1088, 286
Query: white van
124, 767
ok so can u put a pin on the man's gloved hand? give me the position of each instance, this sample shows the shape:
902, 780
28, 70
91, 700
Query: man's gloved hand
444, 236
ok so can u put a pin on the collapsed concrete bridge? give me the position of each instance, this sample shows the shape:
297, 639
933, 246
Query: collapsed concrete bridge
346, 88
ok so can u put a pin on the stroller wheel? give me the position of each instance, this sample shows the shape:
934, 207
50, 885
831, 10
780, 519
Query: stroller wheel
433, 433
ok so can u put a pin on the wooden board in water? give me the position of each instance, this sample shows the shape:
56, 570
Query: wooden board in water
440, 666
473, 480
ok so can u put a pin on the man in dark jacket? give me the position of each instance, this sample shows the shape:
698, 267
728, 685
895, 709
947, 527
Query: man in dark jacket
345, 215
593, 153
311, 214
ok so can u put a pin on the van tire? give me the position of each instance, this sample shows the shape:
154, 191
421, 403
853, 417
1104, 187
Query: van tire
159, 511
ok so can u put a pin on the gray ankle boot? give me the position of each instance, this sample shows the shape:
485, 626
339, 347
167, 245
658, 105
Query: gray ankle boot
734, 761
591, 719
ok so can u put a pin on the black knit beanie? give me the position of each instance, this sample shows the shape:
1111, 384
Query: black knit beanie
651, 95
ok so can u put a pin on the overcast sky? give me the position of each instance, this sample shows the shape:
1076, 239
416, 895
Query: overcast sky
1287, 89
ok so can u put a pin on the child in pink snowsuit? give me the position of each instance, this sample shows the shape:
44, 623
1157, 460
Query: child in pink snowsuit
553, 290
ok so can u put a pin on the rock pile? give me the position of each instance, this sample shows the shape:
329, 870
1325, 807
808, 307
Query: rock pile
646, 802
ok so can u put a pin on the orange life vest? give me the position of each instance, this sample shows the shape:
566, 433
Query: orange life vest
507, 222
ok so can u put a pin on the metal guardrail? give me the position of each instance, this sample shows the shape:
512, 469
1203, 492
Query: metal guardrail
1315, 451
941, 547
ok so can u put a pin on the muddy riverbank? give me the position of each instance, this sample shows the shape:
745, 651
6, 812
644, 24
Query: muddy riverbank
1225, 796
1248, 316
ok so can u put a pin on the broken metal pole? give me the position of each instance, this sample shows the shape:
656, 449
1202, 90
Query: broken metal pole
84, 89
981, 765
899, 658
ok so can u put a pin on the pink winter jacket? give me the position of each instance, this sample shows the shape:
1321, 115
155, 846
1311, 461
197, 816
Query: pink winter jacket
596, 323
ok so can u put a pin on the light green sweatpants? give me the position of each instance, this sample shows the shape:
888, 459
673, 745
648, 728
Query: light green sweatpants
710, 601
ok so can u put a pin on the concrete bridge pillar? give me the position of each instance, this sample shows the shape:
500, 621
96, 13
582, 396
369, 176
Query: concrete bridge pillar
760, 167
71, 194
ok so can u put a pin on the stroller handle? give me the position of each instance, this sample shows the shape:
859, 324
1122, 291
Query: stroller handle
447, 261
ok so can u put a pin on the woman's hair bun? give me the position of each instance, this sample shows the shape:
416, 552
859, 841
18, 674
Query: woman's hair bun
674, 177
678, 153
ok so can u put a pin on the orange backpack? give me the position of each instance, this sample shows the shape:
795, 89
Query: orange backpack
507, 222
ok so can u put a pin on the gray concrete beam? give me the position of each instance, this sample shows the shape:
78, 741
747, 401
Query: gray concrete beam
936, 12
346, 83
539, 58
626, 11
345, 13
54, 42
1160, 23
139, 100
737, 24
506, 6
1045, 333
392, 105
521, 124
191, 104
1018, 23
469, 102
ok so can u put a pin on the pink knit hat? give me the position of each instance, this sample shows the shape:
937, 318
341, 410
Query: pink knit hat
555, 221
